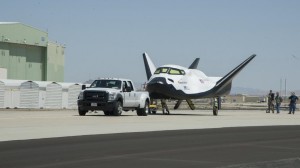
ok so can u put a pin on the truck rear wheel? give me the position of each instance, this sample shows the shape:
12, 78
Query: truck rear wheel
117, 111
82, 112
143, 111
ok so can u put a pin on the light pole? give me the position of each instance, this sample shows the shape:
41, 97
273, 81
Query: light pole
285, 86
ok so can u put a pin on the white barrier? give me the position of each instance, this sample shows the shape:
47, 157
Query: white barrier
38, 94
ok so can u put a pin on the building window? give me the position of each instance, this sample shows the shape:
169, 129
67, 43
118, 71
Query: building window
2, 53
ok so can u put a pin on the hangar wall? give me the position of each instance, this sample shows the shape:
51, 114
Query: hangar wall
27, 54
23, 61
55, 62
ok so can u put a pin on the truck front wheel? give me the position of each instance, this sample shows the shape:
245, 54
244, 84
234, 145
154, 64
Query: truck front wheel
117, 111
82, 112
107, 113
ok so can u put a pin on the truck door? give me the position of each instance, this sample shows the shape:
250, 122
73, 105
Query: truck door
134, 95
127, 100
129, 94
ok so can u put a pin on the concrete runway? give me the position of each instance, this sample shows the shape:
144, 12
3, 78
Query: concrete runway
183, 139
21, 125
255, 147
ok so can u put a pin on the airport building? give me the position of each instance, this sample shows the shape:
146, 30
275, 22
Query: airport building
27, 54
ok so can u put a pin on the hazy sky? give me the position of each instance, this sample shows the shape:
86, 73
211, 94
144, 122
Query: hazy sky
107, 38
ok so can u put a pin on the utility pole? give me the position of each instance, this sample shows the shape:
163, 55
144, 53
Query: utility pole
285, 87
280, 87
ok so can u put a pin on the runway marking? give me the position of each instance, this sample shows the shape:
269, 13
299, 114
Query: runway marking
289, 162
276, 147
180, 160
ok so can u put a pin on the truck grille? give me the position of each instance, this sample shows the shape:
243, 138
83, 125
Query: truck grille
99, 96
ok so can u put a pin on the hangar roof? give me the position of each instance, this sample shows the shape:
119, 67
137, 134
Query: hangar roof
14, 32
8, 22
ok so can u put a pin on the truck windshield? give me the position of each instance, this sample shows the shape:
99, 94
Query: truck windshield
115, 84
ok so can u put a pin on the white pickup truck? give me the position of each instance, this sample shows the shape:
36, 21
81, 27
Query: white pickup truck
112, 96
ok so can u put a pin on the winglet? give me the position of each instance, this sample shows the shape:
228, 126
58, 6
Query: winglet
194, 65
149, 66
228, 78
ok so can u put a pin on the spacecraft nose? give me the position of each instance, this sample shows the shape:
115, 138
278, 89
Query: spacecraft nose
157, 80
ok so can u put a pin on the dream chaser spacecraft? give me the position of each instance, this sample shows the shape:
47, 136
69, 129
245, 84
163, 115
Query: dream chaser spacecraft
180, 83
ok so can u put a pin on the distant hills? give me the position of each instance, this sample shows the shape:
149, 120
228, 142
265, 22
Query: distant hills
257, 92
248, 91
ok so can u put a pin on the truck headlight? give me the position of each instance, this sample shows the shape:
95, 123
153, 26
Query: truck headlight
80, 97
112, 96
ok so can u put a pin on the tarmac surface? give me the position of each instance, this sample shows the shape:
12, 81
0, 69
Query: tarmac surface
185, 138
22, 124
248, 147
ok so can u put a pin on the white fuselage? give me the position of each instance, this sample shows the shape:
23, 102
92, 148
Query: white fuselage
177, 82
189, 81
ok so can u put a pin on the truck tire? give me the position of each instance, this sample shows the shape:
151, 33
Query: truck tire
107, 113
81, 112
117, 111
143, 111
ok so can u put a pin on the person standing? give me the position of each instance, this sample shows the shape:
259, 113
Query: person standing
270, 102
278, 101
293, 101
164, 106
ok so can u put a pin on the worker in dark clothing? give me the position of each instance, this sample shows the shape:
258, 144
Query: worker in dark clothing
278, 101
270, 102
164, 106
293, 101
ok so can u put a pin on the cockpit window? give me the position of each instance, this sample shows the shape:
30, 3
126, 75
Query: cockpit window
115, 84
161, 70
174, 71
171, 71
164, 70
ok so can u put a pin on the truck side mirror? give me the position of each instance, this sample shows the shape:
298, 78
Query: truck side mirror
83, 87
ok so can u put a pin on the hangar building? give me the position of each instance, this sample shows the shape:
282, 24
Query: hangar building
27, 54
